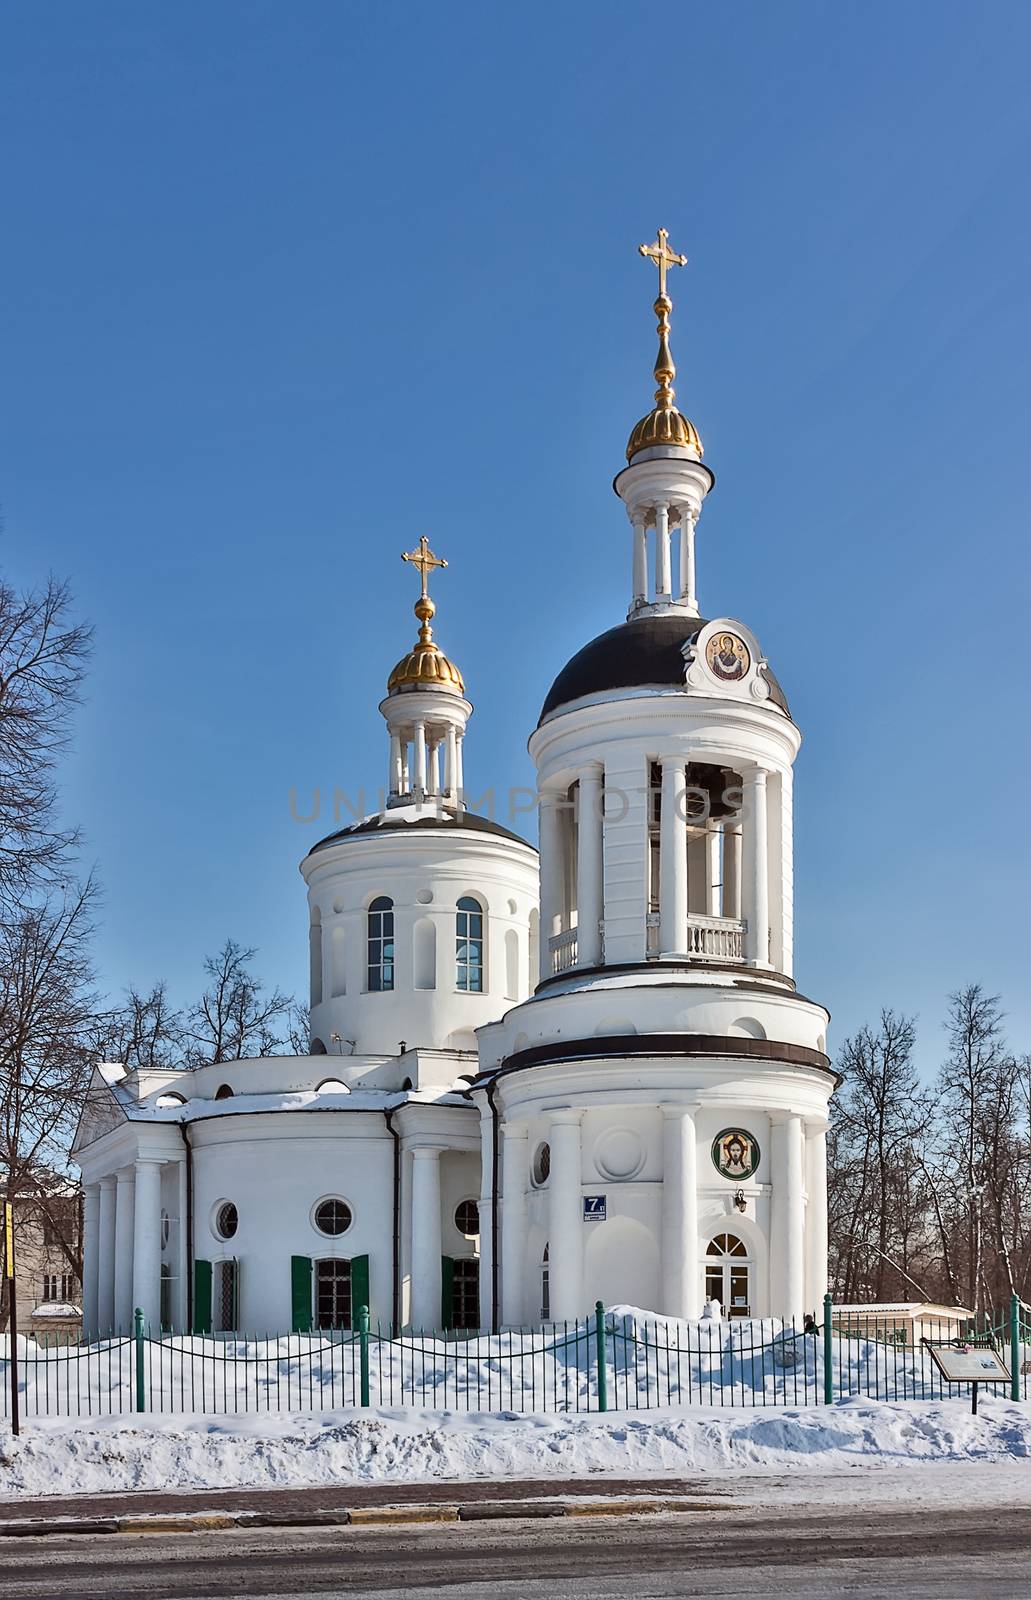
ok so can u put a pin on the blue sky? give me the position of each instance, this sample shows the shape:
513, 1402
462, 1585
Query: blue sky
284, 286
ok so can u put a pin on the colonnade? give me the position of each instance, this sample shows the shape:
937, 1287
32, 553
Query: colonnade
664, 517
121, 1246
732, 856
415, 761
797, 1243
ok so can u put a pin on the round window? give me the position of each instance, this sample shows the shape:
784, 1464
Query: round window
467, 1218
227, 1220
542, 1164
332, 1217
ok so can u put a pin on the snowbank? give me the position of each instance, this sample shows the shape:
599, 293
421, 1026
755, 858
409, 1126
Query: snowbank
340, 1447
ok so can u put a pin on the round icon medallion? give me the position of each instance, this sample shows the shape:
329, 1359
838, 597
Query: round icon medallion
727, 657
735, 1154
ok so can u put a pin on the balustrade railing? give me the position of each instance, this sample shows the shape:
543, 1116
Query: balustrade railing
563, 947
720, 938
711, 938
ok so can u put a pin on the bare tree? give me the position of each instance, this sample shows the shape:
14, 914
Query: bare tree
879, 1115
48, 1037
146, 1031
968, 1090
42, 658
235, 1017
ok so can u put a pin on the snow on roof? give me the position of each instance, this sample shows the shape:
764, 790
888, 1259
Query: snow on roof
294, 1100
903, 1308
57, 1308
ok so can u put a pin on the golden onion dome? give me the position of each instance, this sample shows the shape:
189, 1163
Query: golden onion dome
425, 667
664, 424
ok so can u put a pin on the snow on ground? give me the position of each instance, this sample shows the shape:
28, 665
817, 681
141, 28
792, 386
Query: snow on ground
340, 1447
649, 1362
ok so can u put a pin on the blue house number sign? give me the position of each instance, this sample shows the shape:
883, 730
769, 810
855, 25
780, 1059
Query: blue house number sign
594, 1208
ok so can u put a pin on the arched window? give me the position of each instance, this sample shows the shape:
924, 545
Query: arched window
381, 945
315, 956
469, 945
727, 1276
224, 1092
545, 1287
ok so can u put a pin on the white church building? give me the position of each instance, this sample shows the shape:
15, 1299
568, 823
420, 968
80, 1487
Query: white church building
533, 1084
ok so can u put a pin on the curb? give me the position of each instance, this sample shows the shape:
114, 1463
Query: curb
365, 1517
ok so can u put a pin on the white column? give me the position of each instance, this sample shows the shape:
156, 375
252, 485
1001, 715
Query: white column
124, 1246
550, 831
688, 592
395, 763
680, 1289
816, 1213
514, 1153
146, 1271
731, 871
663, 572
589, 867
640, 561
433, 766
565, 1222
450, 761
90, 1259
673, 860
486, 1216
459, 767
108, 1248
787, 1242
420, 759
755, 852
426, 1238
712, 870
406, 771
182, 1256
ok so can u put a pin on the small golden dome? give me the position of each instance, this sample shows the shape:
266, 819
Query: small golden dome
664, 426
426, 666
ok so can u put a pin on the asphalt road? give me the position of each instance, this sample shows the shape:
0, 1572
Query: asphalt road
958, 1555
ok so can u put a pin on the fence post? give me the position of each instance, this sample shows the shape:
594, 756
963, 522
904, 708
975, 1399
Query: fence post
828, 1351
1015, 1347
603, 1375
363, 1344
141, 1390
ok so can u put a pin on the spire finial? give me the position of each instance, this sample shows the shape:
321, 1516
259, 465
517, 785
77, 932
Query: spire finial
426, 561
661, 256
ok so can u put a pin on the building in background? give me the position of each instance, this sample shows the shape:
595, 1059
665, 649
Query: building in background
49, 1292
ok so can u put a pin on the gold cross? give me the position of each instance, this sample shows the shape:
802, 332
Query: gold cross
661, 256
425, 560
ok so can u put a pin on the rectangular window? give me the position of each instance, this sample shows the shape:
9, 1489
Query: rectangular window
465, 1303
226, 1296
332, 1294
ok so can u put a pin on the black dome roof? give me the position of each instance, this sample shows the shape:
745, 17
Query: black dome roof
647, 652
388, 821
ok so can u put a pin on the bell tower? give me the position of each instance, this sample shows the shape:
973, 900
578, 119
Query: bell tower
666, 1063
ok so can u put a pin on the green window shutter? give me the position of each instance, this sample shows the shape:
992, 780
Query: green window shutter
359, 1286
300, 1293
202, 1296
447, 1292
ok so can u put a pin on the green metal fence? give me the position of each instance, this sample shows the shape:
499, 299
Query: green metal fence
611, 1361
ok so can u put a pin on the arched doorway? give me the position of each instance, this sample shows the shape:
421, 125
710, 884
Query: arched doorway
728, 1274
